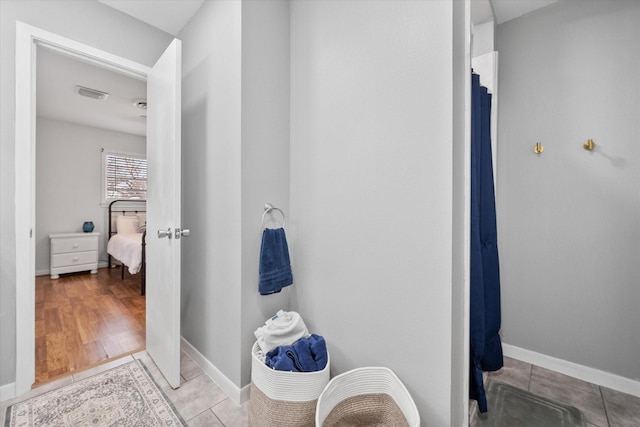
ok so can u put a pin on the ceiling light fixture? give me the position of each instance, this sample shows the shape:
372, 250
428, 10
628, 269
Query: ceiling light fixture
91, 93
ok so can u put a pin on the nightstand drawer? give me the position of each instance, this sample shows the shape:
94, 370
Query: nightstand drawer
59, 246
73, 258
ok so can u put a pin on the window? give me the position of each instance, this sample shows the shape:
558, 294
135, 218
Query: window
125, 176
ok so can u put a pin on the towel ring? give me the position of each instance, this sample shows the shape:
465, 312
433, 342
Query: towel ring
268, 207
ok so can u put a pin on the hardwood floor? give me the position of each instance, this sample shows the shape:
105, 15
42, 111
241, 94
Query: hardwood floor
86, 319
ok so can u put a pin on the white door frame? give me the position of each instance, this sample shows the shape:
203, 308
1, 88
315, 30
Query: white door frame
27, 38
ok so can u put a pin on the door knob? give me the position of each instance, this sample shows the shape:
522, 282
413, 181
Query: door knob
184, 232
164, 233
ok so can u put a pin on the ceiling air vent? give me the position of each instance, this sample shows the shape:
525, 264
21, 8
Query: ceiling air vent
140, 103
91, 93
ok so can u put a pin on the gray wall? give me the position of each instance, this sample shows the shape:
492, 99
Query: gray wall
211, 147
460, 231
372, 196
365, 182
569, 220
85, 21
235, 158
265, 153
69, 180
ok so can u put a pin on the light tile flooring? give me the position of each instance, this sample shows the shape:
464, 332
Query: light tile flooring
198, 400
601, 406
202, 403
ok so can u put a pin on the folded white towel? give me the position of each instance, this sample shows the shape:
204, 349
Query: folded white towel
285, 328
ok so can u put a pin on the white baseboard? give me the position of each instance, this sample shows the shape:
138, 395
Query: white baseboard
595, 376
7, 391
238, 395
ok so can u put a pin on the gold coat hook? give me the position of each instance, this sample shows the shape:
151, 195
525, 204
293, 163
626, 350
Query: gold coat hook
589, 145
538, 149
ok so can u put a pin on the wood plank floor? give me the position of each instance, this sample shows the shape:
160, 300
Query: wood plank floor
86, 319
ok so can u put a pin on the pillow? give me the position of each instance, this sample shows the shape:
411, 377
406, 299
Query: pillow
142, 223
127, 224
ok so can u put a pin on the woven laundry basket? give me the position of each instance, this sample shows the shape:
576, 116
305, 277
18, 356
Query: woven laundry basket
283, 399
371, 396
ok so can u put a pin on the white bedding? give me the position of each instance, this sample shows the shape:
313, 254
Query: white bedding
127, 248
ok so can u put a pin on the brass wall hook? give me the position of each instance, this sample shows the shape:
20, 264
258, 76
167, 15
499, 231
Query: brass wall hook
589, 145
538, 148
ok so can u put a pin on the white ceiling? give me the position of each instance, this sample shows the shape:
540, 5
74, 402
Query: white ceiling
58, 75
56, 97
168, 15
502, 11
507, 10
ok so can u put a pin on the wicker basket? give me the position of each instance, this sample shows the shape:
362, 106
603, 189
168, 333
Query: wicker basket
371, 396
280, 398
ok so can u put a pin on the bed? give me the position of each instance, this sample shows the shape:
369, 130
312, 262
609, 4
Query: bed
127, 237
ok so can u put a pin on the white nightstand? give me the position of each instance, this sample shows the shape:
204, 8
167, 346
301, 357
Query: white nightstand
72, 252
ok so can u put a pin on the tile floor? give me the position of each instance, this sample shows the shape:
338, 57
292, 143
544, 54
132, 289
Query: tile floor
601, 406
198, 400
202, 403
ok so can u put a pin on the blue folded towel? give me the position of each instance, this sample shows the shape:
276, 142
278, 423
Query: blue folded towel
283, 358
305, 355
304, 358
275, 266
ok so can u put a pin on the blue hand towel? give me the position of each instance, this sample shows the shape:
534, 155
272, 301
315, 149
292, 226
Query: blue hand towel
275, 266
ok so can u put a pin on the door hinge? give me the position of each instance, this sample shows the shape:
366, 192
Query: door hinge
31, 233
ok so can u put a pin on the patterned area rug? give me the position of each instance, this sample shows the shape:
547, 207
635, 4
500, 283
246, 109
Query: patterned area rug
510, 406
123, 396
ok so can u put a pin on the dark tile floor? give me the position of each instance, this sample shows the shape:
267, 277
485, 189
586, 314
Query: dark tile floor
601, 406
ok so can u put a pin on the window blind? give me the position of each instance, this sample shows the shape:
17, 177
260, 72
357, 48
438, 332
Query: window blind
126, 177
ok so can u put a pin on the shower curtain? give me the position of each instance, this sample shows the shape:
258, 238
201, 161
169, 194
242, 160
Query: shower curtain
485, 345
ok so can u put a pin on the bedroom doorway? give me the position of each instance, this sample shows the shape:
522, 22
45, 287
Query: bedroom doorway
164, 116
84, 319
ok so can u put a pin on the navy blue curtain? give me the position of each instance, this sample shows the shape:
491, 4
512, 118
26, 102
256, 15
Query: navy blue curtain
486, 348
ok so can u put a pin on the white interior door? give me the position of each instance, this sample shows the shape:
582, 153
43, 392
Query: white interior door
163, 213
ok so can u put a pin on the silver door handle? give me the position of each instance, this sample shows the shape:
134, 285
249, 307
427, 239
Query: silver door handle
164, 233
184, 232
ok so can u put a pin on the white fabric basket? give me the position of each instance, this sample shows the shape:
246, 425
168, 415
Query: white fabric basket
366, 381
290, 386
282, 399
